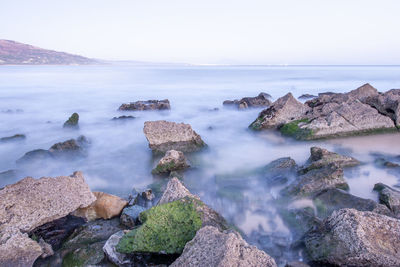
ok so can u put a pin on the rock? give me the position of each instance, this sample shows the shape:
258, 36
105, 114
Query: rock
44, 200
389, 197
130, 215
17, 249
296, 264
385, 163
147, 105
119, 259
57, 231
34, 156
8, 175
387, 103
355, 238
321, 157
124, 117
175, 190
278, 171
172, 161
210, 247
259, 101
283, 110
106, 206
87, 255
316, 180
144, 199
72, 121
307, 96
163, 136
15, 137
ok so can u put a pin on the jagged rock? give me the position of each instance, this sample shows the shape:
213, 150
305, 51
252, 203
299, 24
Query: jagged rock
106, 206
147, 105
387, 103
355, 238
389, 197
15, 137
130, 215
307, 96
164, 136
282, 111
124, 117
175, 190
316, 180
72, 121
144, 198
172, 161
278, 171
258, 101
30, 202
321, 157
210, 247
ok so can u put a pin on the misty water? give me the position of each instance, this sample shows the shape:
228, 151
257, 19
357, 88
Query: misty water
36, 100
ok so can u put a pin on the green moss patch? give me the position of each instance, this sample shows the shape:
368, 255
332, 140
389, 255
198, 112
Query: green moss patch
166, 229
257, 124
164, 168
72, 121
292, 129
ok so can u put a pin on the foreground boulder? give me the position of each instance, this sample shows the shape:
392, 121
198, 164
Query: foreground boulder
106, 206
331, 115
163, 136
355, 238
389, 197
172, 161
261, 100
147, 105
211, 247
72, 121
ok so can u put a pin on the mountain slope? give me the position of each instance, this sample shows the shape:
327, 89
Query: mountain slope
15, 53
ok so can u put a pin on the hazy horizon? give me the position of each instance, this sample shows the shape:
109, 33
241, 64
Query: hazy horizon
251, 32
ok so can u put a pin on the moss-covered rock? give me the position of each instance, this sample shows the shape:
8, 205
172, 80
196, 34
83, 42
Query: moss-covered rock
294, 129
172, 161
72, 122
84, 256
166, 228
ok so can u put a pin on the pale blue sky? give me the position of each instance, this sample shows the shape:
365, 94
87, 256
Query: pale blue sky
211, 31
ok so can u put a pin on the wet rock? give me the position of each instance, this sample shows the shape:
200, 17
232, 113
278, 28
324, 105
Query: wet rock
106, 206
283, 110
57, 231
147, 105
87, 255
389, 197
316, 180
130, 215
278, 171
34, 156
210, 247
172, 161
175, 190
44, 200
321, 157
144, 198
355, 238
72, 121
163, 136
15, 137
109, 248
306, 96
261, 100
17, 249
124, 117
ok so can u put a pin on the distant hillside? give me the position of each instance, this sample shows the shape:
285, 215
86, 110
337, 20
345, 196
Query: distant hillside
22, 54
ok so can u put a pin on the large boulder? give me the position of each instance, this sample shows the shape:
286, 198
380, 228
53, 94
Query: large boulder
389, 197
261, 100
106, 206
172, 161
211, 247
283, 110
355, 238
147, 105
163, 136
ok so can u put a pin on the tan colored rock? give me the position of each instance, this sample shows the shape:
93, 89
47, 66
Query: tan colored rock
31, 202
165, 135
175, 190
210, 247
106, 206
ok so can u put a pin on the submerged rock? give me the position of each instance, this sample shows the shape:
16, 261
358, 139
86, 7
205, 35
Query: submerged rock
172, 161
355, 238
106, 206
210, 247
15, 137
163, 136
147, 105
35, 155
144, 198
389, 197
278, 171
261, 100
124, 117
386, 163
72, 121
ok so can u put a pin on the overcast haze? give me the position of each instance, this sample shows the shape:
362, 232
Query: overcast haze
211, 31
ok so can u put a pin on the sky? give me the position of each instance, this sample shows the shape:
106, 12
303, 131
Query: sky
211, 31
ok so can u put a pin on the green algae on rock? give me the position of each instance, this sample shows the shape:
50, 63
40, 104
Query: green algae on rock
293, 129
166, 228
72, 122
